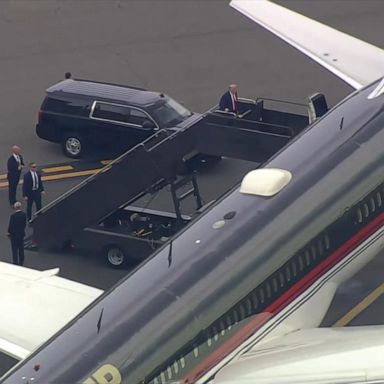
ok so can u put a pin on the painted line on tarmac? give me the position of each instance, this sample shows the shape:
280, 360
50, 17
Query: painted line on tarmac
60, 168
69, 175
360, 307
60, 176
64, 171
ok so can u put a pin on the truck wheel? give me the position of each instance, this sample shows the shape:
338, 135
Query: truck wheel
73, 146
115, 256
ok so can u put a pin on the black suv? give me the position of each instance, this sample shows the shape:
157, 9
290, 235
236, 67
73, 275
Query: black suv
80, 114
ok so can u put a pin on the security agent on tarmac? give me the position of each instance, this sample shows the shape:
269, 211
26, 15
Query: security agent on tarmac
15, 164
16, 233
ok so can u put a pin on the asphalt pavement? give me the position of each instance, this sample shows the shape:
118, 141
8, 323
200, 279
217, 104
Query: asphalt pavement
188, 49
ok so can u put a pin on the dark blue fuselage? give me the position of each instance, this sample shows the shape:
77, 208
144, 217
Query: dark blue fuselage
185, 309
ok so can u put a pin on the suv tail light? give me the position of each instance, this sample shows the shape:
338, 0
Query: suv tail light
40, 116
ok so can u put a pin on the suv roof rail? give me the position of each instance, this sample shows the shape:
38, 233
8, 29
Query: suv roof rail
117, 85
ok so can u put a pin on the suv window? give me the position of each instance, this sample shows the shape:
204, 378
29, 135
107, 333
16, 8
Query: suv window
111, 112
72, 107
120, 113
138, 117
170, 113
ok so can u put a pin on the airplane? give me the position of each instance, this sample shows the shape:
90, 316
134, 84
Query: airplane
34, 306
247, 283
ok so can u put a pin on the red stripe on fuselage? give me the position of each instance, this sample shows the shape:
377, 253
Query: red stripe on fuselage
280, 303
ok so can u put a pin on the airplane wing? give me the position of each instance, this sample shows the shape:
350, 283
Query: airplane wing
356, 62
321, 356
35, 305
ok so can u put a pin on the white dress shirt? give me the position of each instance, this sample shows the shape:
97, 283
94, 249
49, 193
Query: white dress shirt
35, 181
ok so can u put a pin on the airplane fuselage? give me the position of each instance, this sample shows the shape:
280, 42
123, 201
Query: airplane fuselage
200, 297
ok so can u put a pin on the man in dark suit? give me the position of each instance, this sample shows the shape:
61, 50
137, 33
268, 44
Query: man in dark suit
16, 233
32, 189
228, 101
15, 164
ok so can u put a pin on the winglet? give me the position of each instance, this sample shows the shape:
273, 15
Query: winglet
356, 62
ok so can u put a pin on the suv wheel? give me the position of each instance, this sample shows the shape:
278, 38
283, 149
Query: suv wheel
115, 256
73, 146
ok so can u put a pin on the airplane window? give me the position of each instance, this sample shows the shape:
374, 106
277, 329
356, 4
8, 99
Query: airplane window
320, 247
366, 210
176, 367
182, 361
378, 199
262, 295
274, 284
327, 242
229, 322
301, 263
222, 327
372, 203
288, 273
268, 289
235, 316
255, 301
307, 258
162, 378
196, 351
169, 372
215, 333
294, 268
359, 216
313, 252
249, 306
242, 312
281, 278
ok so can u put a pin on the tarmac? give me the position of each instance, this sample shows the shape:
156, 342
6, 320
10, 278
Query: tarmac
188, 49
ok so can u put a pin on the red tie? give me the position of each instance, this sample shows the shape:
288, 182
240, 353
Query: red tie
234, 101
